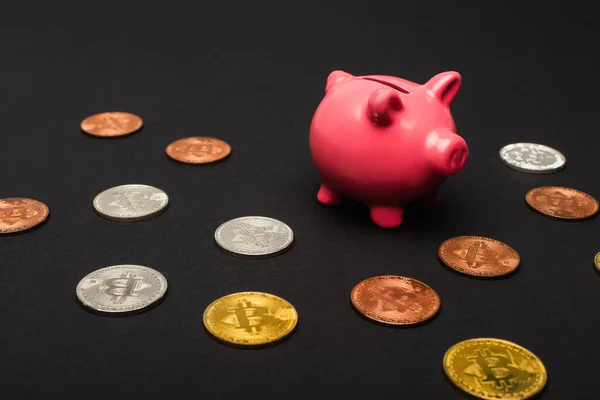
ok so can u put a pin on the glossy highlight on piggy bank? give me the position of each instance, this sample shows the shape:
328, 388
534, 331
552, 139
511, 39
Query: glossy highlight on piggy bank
386, 142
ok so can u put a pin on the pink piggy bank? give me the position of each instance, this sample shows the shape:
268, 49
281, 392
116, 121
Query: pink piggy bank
386, 142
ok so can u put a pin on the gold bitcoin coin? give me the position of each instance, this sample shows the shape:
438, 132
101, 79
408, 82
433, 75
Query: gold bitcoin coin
250, 318
494, 369
597, 261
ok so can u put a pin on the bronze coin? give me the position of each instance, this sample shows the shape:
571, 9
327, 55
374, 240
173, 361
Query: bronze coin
562, 203
395, 300
19, 214
111, 124
478, 256
198, 150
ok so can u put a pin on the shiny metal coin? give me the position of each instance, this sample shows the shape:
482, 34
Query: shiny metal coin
250, 318
131, 202
112, 124
19, 214
395, 300
532, 158
121, 288
254, 236
489, 368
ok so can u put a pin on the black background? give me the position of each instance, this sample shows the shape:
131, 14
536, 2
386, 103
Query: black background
253, 73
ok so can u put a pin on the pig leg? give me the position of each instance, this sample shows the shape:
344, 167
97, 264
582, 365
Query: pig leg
328, 197
387, 216
431, 201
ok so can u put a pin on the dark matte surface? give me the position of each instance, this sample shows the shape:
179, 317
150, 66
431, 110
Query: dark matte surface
252, 74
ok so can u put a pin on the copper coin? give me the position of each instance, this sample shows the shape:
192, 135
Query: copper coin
18, 214
395, 300
198, 150
479, 256
561, 202
111, 124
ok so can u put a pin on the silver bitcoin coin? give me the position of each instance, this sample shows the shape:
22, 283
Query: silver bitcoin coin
121, 288
533, 158
254, 236
131, 202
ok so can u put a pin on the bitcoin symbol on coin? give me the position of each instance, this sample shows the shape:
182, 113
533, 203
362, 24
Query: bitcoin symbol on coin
199, 151
560, 203
492, 369
253, 235
116, 124
533, 156
130, 200
12, 215
394, 299
244, 315
127, 285
479, 254
17, 211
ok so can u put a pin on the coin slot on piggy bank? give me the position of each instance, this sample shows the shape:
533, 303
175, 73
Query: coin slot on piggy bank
386, 142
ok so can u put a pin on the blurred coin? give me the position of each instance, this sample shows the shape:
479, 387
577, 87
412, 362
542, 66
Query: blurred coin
19, 214
111, 124
478, 256
121, 288
562, 203
250, 318
395, 300
254, 236
131, 202
490, 368
597, 261
532, 157
198, 150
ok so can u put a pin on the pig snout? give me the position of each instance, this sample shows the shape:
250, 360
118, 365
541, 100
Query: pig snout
447, 151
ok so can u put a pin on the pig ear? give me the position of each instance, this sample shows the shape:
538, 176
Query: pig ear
336, 77
444, 86
382, 104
